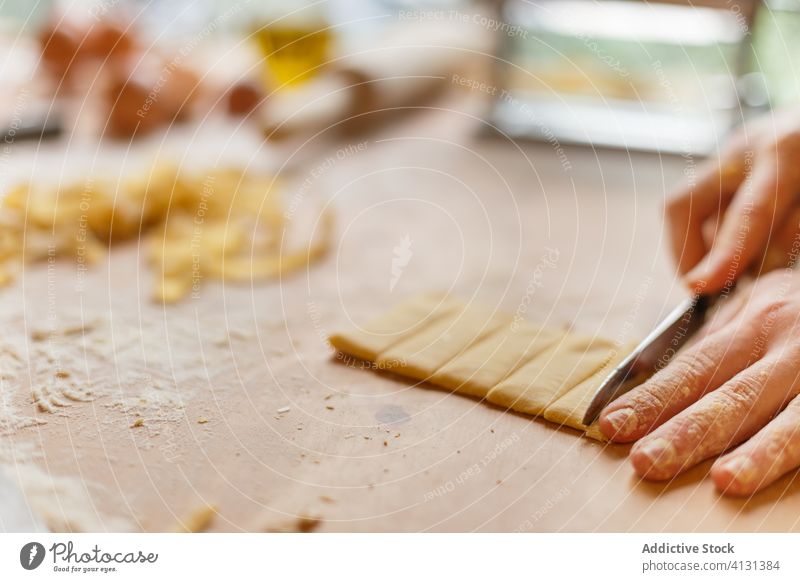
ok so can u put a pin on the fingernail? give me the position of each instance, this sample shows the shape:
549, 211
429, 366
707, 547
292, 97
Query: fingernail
659, 452
623, 421
696, 280
741, 469
698, 271
698, 277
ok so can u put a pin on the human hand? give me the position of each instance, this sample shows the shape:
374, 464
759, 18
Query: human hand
744, 209
739, 381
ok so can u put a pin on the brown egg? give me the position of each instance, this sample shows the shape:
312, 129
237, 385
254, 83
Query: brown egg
147, 92
133, 108
68, 43
244, 97
108, 39
60, 44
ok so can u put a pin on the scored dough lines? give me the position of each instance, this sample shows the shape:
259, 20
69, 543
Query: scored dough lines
468, 349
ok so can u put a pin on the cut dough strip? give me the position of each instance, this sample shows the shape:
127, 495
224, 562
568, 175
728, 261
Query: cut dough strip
536, 385
489, 361
400, 322
422, 354
570, 408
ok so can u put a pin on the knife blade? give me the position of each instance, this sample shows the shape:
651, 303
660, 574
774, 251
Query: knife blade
652, 354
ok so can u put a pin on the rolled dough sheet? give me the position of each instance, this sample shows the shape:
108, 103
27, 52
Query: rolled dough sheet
489, 361
401, 321
422, 354
469, 349
570, 408
547, 377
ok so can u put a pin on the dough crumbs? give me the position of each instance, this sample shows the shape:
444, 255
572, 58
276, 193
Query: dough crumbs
202, 420
46, 401
137, 423
72, 324
153, 404
198, 520
302, 524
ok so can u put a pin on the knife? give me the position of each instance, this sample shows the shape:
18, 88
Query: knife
38, 129
655, 351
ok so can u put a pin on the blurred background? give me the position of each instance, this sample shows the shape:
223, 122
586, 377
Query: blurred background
661, 76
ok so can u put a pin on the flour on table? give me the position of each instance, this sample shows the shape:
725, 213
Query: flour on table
64, 504
153, 401
10, 362
11, 365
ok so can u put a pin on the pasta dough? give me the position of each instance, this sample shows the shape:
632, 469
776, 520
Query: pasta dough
226, 224
533, 387
471, 350
570, 408
482, 366
400, 322
594, 432
424, 353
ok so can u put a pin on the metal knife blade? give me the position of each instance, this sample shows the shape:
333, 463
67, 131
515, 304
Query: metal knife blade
652, 354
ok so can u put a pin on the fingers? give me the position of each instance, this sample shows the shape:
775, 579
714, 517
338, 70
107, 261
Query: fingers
686, 233
722, 418
689, 209
755, 211
702, 368
773, 452
784, 245
730, 308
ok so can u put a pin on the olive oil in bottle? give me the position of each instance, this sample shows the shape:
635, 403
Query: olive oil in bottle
295, 45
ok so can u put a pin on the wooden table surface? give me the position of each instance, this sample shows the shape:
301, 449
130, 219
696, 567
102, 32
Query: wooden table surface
569, 236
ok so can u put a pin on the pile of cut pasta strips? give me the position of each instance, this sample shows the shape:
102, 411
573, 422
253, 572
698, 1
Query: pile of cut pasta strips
227, 224
470, 350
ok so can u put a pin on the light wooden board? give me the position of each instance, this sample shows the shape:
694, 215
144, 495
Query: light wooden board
575, 245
